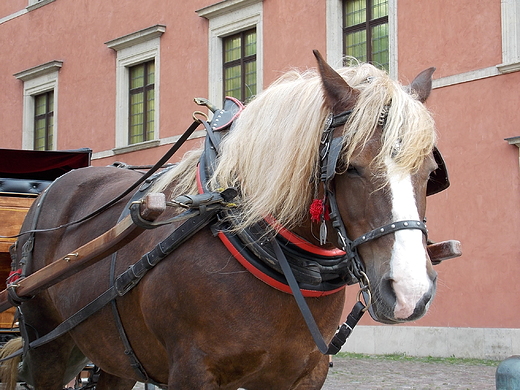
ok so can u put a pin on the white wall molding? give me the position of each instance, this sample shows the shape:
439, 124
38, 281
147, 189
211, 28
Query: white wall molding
477, 343
133, 49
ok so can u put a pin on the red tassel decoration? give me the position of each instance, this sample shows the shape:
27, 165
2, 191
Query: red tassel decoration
317, 210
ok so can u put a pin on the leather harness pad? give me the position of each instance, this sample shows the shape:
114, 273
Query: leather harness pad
223, 118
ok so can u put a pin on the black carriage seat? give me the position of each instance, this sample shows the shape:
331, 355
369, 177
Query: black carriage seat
29, 172
23, 186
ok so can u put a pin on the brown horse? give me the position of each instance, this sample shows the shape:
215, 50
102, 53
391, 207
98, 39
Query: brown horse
199, 319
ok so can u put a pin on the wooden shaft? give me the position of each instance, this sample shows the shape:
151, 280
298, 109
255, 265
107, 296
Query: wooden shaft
444, 250
84, 256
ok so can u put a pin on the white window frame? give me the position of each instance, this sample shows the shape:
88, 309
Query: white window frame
510, 36
134, 49
227, 18
334, 15
37, 80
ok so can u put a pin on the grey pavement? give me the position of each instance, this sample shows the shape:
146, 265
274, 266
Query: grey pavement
394, 373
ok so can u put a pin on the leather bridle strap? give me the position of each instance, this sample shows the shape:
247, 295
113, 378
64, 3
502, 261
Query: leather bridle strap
390, 228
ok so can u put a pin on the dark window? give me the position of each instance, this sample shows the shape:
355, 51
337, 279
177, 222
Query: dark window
43, 121
142, 102
365, 31
240, 65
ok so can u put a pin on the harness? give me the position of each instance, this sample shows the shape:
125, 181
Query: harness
270, 252
299, 271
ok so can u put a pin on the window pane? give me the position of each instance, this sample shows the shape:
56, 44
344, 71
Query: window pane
50, 131
151, 73
43, 121
232, 48
356, 46
137, 76
233, 79
39, 134
142, 102
354, 12
150, 114
250, 42
250, 79
365, 31
380, 45
379, 8
240, 65
40, 103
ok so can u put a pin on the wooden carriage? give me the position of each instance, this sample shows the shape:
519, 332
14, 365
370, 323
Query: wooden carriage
23, 175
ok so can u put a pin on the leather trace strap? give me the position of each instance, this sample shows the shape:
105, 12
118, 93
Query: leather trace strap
340, 338
128, 279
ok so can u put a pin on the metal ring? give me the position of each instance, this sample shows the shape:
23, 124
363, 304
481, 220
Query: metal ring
194, 116
364, 283
367, 297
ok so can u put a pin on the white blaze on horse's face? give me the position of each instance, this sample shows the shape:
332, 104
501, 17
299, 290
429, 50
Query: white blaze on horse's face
408, 272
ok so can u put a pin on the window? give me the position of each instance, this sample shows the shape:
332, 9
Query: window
240, 65
365, 31
137, 89
510, 36
142, 102
40, 106
43, 121
235, 35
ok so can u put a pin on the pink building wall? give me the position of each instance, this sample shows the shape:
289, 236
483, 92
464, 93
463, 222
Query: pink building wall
480, 209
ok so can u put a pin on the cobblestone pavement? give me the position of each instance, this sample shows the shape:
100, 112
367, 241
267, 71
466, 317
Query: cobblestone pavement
374, 373
385, 373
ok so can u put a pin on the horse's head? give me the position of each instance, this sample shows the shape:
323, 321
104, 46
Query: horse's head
379, 184
364, 147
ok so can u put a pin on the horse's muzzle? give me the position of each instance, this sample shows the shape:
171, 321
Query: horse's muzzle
390, 305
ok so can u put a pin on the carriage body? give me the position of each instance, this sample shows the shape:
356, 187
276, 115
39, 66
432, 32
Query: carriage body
24, 174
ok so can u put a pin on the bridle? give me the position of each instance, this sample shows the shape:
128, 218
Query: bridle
330, 149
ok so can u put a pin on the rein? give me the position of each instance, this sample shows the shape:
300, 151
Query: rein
159, 164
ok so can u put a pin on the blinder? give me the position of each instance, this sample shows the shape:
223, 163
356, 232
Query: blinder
439, 180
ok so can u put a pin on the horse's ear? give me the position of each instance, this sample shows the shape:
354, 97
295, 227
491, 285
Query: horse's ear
339, 96
422, 84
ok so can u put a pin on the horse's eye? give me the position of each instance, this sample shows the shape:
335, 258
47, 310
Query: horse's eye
352, 170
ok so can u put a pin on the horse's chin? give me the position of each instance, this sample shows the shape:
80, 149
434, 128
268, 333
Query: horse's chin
385, 315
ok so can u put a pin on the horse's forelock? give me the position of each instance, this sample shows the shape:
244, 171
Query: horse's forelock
408, 134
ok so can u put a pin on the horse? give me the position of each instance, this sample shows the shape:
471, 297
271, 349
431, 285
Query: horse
200, 319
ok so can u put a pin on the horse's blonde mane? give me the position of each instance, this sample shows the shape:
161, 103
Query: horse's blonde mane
272, 153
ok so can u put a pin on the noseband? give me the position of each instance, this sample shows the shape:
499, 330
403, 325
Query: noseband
330, 149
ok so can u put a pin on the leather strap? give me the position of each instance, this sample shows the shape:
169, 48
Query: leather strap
340, 338
128, 279
189, 131
300, 300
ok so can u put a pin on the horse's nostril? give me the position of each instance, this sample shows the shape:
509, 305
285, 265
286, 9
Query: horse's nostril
386, 291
